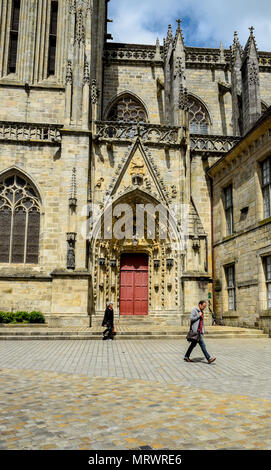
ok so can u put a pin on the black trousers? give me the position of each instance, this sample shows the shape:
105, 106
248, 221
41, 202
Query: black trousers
109, 330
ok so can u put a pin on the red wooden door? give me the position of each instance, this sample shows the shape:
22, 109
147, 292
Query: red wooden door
134, 284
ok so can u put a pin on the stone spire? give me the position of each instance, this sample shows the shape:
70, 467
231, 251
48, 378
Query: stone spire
236, 78
175, 77
250, 83
237, 50
169, 33
179, 41
251, 51
157, 56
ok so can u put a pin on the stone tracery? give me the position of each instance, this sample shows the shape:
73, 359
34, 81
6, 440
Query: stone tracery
19, 220
198, 117
127, 109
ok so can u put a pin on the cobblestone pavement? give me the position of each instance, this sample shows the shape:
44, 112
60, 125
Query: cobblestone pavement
122, 395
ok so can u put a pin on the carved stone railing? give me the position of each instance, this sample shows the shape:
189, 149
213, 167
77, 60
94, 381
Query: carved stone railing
130, 52
17, 131
212, 143
195, 56
149, 133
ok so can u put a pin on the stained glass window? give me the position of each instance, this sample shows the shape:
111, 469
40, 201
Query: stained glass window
19, 221
198, 117
127, 109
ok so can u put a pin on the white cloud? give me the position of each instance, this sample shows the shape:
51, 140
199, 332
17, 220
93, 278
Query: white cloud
206, 22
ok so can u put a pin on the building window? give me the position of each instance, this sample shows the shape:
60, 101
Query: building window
266, 186
228, 210
13, 38
230, 278
198, 117
127, 109
19, 221
267, 263
52, 38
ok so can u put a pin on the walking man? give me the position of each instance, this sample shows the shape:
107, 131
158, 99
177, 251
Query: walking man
197, 323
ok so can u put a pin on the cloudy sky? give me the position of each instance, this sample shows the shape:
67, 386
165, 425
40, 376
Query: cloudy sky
204, 22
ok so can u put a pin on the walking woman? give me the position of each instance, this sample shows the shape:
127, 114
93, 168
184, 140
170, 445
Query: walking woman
108, 321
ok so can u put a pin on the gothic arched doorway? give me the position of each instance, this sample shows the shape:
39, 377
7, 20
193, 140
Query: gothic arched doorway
134, 284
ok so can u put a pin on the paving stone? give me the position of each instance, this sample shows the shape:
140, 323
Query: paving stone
48, 404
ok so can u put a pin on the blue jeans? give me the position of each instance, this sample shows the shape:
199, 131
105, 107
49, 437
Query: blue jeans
202, 345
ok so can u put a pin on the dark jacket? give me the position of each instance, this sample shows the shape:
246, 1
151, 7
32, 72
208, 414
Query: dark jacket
108, 317
195, 315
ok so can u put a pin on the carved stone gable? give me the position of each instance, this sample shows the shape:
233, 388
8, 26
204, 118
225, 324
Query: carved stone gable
138, 168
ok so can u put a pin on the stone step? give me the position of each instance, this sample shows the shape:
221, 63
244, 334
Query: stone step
121, 328
119, 338
126, 334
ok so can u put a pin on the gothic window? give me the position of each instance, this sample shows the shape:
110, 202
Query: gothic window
19, 220
266, 187
127, 109
13, 38
198, 117
52, 38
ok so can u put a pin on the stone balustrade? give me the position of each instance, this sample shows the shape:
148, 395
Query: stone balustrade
17, 131
212, 143
151, 133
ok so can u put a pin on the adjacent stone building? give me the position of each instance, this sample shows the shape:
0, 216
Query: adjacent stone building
93, 134
242, 229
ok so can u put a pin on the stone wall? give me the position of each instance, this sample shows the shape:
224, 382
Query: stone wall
25, 295
250, 241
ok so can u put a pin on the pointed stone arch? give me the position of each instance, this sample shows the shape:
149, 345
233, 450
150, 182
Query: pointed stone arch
21, 172
20, 210
199, 116
127, 107
106, 249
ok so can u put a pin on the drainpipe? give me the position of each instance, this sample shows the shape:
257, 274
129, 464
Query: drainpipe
212, 243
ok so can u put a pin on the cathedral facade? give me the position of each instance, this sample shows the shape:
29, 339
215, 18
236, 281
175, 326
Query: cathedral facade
104, 152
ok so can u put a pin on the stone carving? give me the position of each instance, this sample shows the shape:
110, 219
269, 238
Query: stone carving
80, 28
99, 183
71, 238
73, 199
69, 72
253, 74
137, 166
119, 53
29, 132
147, 132
86, 78
94, 92
173, 191
183, 98
212, 143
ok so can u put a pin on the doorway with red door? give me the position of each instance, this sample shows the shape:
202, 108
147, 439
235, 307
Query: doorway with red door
134, 284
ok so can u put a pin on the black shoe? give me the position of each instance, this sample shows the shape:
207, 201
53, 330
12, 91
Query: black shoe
186, 359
